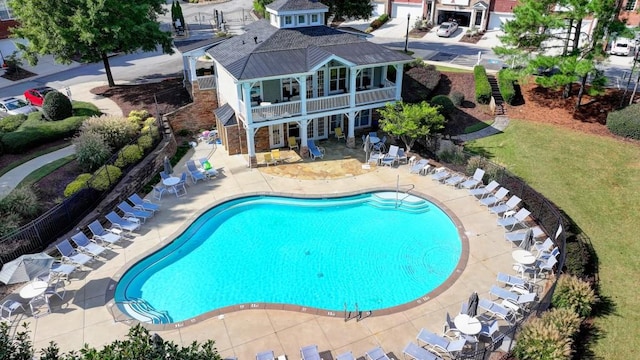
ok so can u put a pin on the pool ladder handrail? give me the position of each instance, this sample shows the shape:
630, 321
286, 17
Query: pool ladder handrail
142, 308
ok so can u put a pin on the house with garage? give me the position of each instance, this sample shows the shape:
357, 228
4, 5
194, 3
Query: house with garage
291, 76
470, 13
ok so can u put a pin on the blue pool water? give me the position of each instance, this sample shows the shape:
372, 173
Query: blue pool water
319, 253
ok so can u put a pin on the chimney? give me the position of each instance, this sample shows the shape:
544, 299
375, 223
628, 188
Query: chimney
255, 38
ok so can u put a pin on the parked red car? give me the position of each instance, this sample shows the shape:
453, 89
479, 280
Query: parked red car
35, 96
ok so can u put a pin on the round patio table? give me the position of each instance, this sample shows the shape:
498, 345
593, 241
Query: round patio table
33, 289
467, 324
523, 257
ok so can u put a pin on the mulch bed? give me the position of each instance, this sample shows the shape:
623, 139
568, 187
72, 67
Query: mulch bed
18, 74
471, 39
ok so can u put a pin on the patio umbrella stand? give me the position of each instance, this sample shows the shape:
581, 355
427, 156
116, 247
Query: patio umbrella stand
473, 305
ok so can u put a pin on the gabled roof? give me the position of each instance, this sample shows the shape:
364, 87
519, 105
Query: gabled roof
190, 45
295, 5
265, 50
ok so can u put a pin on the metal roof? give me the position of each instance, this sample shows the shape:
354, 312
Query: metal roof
294, 5
264, 50
226, 115
190, 45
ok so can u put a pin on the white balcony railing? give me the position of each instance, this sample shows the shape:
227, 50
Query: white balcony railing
317, 105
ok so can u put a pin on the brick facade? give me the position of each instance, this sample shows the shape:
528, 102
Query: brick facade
198, 115
502, 6
632, 17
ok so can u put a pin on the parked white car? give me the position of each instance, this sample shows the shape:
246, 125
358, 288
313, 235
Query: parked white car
447, 28
15, 106
621, 46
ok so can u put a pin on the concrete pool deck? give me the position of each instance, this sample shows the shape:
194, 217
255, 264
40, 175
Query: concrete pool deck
82, 317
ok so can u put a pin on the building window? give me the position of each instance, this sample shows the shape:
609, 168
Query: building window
302, 19
288, 20
5, 12
364, 79
290, 88
338, 79
314, 18
631, 5
363, 119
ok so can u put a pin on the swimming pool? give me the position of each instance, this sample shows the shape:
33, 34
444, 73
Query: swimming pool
317, 253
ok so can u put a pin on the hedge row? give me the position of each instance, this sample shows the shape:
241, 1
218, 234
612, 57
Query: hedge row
375, 24
483, 88
505, 83
36, 130
625, 122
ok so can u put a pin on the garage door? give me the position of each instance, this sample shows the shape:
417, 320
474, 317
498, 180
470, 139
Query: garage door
378, 9
497, 19
401, 11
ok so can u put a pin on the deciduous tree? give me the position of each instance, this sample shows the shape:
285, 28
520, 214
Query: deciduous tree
89, 30
410, 121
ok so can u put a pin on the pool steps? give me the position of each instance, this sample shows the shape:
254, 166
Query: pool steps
140, 310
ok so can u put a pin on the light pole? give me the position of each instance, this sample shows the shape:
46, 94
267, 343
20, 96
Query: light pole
406, 37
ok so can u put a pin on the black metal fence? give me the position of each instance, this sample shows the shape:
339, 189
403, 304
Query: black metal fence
62, 218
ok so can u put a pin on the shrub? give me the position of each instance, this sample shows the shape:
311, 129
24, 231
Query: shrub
483, 88
457, 98
116, 130
625, 122
565, 320
379, 21
454, 156
573, 293
12, 122
22, 201
130, 154
77, 184
138, 115
36, 131
92, 151
505, 83
446, 105
10, 223
145, 142
56, 106
538, 341
105, 177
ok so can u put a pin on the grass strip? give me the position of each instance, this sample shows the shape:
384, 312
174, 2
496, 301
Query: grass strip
45, 170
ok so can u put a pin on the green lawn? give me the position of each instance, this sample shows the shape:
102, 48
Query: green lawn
596, 181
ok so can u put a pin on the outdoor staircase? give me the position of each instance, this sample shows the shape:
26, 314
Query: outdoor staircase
495, 92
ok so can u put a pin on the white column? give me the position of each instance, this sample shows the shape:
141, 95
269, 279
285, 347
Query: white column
314, 87
251, 146
483, 21
474, 13
192, 69
302, 80
432, 13
399, 71
352, 87
384, 74
246, 95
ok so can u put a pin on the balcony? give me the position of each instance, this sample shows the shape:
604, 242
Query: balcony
266, 112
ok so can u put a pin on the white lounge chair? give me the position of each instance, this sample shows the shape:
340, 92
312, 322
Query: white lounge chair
502, 208
130, 212
346, 356
106, 237
391, 157
418, 167
195, 173
481, 192
416, 352
441, 174
69, 254
496, 198
61, 270
7, 309
265, 355
455, 180
474, 181
441, 344
87, 246
128, 224
539, 268
490, 330
513, 281
497, 310
377, 354
517, 219
310, 352
143, 204
541, 246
